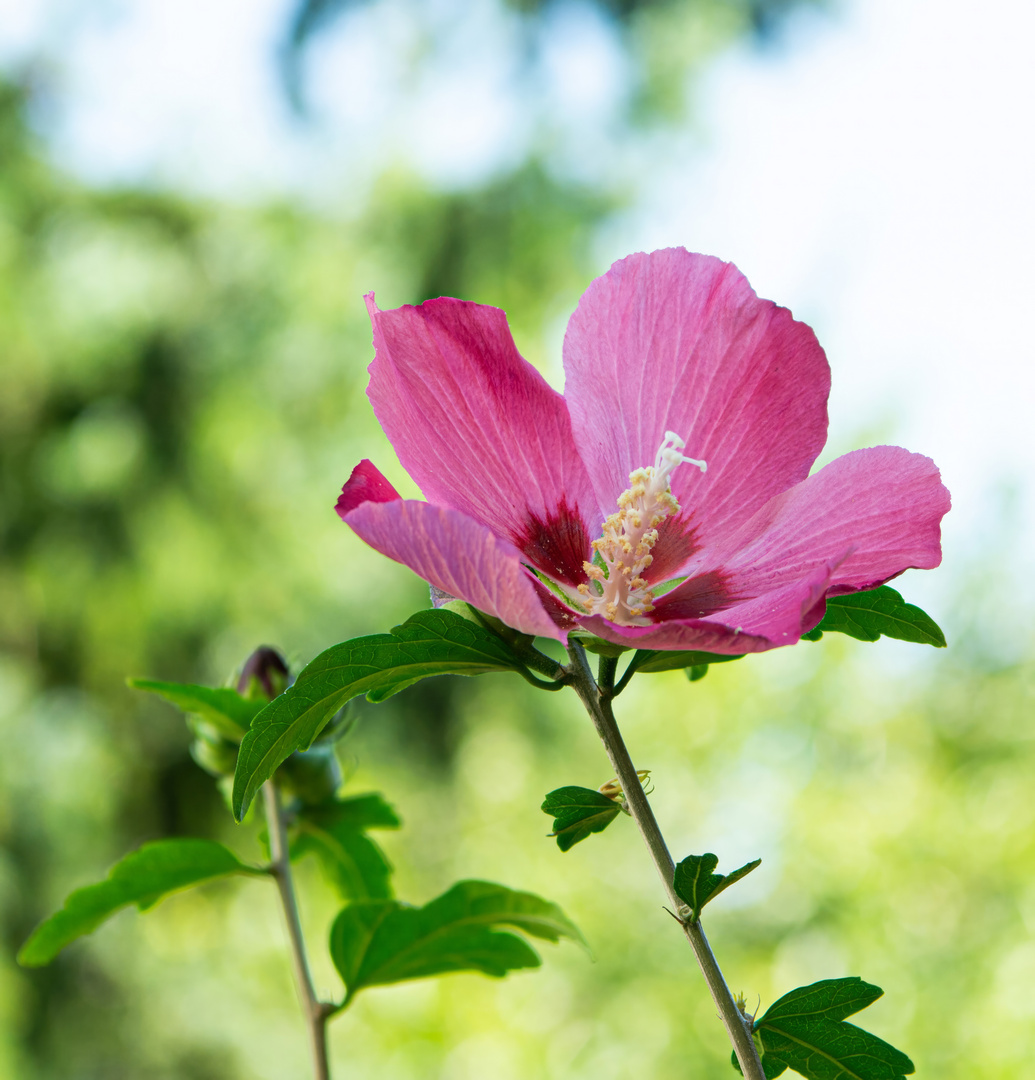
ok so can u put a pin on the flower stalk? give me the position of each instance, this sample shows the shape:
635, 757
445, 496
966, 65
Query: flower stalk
596, 697
316, 1012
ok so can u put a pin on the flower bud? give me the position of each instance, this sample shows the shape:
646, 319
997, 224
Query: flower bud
313, 775
217, 757
264, 676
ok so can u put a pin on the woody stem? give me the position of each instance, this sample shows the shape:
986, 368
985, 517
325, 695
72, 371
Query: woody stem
316, 1012
597, 700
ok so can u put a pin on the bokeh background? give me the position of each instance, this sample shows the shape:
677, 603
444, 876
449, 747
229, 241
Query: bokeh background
193, 199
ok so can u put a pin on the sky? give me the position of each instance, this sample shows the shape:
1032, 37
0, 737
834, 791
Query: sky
873, 171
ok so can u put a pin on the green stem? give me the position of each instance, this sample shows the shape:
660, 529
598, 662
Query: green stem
606, 669
630, 671
597, 701
316, 1012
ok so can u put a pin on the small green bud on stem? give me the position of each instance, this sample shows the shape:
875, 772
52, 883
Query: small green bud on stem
264, 676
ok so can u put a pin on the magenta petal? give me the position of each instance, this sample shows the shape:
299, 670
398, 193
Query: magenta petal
366, 484
457, 556
784, 614
479, 429
677, 634
766, 622
673, 341
877, 511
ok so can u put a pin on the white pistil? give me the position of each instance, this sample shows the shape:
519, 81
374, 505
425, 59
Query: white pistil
629, 535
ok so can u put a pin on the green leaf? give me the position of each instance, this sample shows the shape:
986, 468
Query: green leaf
578, 812
867, 615
143, 878
805, 1031
374, 943
429, 643
335, 833
653, 660
223, 708
770, 1067
697, 883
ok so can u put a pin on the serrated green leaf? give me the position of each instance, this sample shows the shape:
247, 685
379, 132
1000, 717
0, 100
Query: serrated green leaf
429, 643
653, 660
805, 1030
374, 943
867, 615
143, 878
578, 812
222, 707
335, 833
696, 882
834, 999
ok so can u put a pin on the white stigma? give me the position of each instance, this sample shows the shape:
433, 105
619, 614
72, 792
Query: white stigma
669, 457
621, 592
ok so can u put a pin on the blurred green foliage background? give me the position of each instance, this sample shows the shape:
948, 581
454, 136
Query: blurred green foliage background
182, 396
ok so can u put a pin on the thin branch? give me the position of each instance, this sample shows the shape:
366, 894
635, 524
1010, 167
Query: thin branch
559, 683
537, 661
630, 671
521, 645
316, 1012
598, 705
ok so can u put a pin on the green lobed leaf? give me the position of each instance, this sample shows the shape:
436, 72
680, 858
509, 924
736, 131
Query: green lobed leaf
805, 1031
143, 878
654, 660
336, 834
377, 942
577, 813
697, 883
222, 707
430, 643
868, 615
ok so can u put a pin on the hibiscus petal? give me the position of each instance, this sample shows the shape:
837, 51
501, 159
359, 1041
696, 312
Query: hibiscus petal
480, 431
365, 484
457, 556
880, 509
679, 342
677, 634
779, 617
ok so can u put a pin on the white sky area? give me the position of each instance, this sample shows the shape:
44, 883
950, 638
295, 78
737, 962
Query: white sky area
875, 172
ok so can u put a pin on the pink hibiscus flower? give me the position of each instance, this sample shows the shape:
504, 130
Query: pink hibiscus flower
555, 512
